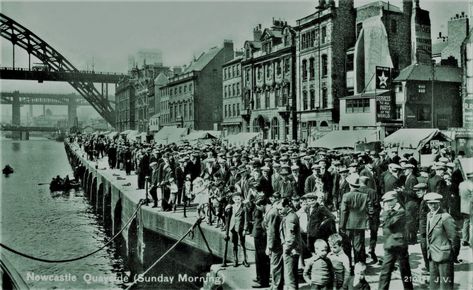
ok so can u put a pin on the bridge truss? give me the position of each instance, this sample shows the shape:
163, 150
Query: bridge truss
34, 45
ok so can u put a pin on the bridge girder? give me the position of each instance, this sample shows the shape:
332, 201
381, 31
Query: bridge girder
26, 39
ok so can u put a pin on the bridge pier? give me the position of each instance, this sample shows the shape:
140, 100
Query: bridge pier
16, 115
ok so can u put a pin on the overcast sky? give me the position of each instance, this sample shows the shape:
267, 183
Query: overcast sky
106, 32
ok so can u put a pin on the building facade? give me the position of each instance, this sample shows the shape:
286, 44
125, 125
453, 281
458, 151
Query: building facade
193, 98
125, 105
323, 37
430, 96
467, 86
232, 100
269, 82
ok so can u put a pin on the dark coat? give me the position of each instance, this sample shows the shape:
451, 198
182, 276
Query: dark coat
409, 193
442, 237
354, 214
437, 184
273, 224
391, 182
291, 233
315, 217
237, 220
394, 224
259, 230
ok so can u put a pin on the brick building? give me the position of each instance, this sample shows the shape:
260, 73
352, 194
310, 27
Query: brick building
458, 27
418, 94
323, 37
232, 101
193, 98
269, 82
387, 37
125, 104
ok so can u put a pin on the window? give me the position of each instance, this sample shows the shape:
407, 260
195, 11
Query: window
170, 112
185, 110
312, 100
190, 111
259, 72
304, 69
238, 89
256, 127
234, 110
357, 106
274, 129
277, 96
180, 110
304, 100
421, 89
423, 112
225, 91
185, 89
225, 111
233, 90
324, 98
349, 62
278, 67
398, 112
266, 99
311, 68
190, 88
324, 65
324, 34
287, 65
258, 101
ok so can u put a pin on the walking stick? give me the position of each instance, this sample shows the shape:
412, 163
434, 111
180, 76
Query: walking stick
146, 186
227, 238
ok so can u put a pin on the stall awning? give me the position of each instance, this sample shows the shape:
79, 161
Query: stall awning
414, 138
345, 139
241, 138
169, 134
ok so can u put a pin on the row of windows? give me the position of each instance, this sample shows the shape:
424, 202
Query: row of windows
309, 38
232, 90
177, 90
312, 105
311, 70
180, 110
358, 106
280, 99
231, 110
231, 71
268, 67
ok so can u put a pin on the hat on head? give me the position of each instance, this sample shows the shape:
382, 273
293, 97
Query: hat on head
152, 164
353, 181
265, 168
439, 166
432, 197
420, 186
295, 197
443, 159
394, 166
343, 170
390, 195
294, 167
408, 166
310, 195
285, 170
236, 193
276, 165
276, 195
353, 164
315, 166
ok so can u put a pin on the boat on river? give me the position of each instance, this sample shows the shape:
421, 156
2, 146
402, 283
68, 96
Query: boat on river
60, 184
8, 170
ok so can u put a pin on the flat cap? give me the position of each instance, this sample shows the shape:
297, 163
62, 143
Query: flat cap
432, 197
390, 195
420, 186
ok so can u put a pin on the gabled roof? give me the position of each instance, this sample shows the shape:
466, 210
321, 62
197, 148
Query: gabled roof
254, 44
423, 72
203, 60
161, 79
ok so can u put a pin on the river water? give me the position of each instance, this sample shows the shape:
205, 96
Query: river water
41, 224
51, 227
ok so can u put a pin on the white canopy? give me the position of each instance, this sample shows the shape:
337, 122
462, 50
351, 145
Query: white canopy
241, 138
169, 134
414, 138
345, 139
195, 135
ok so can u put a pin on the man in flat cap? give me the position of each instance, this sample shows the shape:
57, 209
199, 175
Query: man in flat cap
437, 184
441, 242
391, 177
421, 190
285, 185
393, 220
272, 222
411, 203
354, 218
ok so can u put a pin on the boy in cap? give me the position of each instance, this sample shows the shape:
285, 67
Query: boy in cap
237, 226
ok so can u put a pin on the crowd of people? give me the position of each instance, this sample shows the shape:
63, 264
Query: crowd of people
307, 209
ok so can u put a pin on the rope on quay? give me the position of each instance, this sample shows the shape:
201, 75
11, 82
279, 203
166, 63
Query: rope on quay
80, 257
191, 229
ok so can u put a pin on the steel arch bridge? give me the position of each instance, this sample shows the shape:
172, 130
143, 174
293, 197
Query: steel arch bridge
19, 35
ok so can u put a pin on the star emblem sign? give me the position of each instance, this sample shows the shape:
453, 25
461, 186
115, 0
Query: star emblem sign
383, 80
